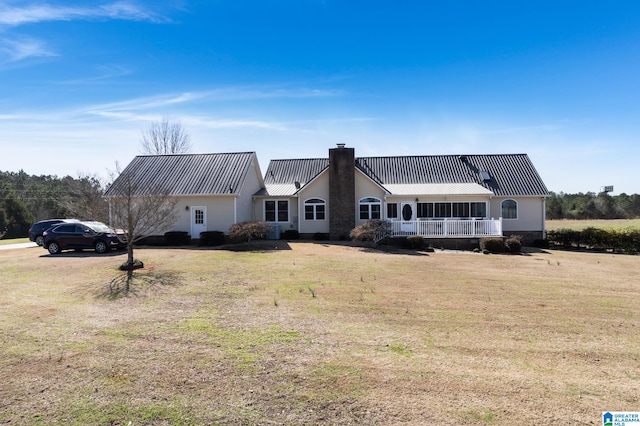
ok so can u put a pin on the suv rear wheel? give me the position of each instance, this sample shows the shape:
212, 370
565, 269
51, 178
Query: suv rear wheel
40, 240
53, 247
101, 247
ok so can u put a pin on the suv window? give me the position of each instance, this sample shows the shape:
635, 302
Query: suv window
66, 228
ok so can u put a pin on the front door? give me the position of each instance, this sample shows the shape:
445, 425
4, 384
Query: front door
198, 221
408, 217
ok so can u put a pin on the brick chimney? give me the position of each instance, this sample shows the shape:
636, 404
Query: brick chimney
342, 192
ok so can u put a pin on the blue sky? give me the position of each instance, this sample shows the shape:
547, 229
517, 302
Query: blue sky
560, 81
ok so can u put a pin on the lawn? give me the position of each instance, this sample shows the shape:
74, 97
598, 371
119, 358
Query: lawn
578, 225
307, 333
13, 241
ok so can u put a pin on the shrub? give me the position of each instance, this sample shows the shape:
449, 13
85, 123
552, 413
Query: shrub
513, 244
414, 242
212, 238
177, 238
492, 245
290, 234
247, 231
371, 230
624, 240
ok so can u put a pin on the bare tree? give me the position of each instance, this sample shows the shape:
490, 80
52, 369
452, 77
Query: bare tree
85, 197
140, 209
165, 137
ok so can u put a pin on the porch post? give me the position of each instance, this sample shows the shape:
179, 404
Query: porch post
444, 228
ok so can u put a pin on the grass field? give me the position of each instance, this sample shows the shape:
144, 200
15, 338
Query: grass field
306, 333
14, 241
578, 225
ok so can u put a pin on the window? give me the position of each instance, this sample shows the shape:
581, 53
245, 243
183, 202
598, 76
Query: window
392, 210
370, 208
456, 210
509, 209
199, 217
442, 210
314, 209
276, 210
425, 210
479, 210
459, 209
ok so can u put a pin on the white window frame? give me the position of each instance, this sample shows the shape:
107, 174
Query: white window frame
369, 202
276, 210
502, 209
314, 203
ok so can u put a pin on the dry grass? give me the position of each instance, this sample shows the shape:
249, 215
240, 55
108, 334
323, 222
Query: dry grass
578, 225
318, 334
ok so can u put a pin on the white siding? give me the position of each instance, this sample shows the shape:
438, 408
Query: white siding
244, 203
319, 188
220, 213
365, 187
531, 214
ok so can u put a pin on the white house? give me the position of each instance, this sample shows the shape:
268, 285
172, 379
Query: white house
213, 191
437, 196
441, 196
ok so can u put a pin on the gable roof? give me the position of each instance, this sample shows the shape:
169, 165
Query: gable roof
282, 175
506, 174
186, 174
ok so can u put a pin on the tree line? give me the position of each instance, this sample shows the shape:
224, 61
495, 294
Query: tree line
590, 205
25, 199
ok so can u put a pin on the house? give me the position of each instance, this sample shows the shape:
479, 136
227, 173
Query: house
213, 191
439, 196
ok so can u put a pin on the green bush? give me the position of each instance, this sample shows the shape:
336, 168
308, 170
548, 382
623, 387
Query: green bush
624, 240
371, 230
247, 231
290, 234
212, 238
513, 244
177, 238
492, 245
414, 242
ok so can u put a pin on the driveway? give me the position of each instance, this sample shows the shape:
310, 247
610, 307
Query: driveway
17, 246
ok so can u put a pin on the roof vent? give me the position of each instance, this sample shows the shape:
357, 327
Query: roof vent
463, 158
341, 145
297, 184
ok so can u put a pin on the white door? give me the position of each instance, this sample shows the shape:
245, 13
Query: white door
407, 217
198, 221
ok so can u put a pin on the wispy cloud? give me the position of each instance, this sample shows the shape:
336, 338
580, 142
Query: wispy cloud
214, 95
17, 50
104, 72
16, 16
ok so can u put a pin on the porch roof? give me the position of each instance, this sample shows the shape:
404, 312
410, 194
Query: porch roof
437, 189
277, 190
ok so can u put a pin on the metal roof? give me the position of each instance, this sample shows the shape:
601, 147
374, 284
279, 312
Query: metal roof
437, 189
508, 174
184, 174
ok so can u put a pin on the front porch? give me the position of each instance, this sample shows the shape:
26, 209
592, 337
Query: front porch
447, 228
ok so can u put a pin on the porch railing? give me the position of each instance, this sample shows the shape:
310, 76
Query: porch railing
448, 228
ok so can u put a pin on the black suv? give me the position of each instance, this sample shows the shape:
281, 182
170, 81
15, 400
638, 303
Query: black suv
82, 235
38, 228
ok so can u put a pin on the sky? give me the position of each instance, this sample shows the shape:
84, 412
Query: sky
557, 80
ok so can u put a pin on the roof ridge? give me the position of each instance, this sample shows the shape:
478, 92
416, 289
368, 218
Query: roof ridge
195, 154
